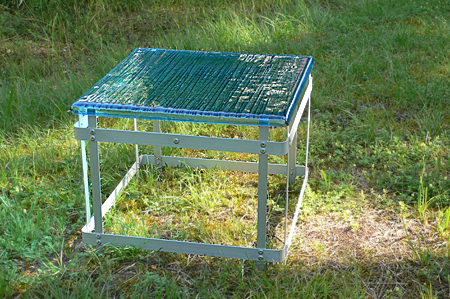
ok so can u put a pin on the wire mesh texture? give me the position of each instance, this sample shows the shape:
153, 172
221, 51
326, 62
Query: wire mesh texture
199, 86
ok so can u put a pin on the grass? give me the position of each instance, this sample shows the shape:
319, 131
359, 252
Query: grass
375, 221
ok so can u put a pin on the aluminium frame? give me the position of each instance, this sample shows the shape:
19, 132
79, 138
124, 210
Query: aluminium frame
86, 130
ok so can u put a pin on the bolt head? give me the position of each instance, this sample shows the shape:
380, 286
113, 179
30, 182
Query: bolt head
176, 141
99, 242
98, 236
92, 138
263, 151
261, 258
92, 131
263, 144
260, 252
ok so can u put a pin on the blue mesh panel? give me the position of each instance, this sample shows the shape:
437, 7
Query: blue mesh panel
200, 87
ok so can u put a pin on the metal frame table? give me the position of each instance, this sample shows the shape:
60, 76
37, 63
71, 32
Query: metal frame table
194, 86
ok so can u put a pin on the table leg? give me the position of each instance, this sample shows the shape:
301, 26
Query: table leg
262, 196
137, 150
307, 132
292, 159
84, 123
95, 176
158, 154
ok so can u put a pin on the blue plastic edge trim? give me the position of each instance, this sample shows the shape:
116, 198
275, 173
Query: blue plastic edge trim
305, 78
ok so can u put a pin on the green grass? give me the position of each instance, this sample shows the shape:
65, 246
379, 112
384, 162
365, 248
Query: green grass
375, 221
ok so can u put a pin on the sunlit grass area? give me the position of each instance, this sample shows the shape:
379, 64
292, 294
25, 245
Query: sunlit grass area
375, 218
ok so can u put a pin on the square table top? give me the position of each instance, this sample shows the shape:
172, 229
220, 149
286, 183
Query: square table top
197, 86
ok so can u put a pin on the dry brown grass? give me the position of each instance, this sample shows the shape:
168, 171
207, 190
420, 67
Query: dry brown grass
392, 254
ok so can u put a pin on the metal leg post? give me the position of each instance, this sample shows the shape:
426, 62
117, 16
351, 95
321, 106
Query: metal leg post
84, 123
262, 195
95, 177
158, 154
307, 133
137, 150
292, 159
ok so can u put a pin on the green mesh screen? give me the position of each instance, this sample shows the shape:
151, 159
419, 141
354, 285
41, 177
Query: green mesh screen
200, 87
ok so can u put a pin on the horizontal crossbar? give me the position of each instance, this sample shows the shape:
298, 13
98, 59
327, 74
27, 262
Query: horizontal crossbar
217, 164
181, 141
268, 255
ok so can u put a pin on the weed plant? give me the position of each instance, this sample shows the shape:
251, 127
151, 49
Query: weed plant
375, 221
